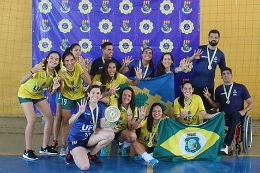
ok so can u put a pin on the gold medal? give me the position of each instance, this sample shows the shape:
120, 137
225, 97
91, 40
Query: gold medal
150, 144
209, 67
227, 102
63, 69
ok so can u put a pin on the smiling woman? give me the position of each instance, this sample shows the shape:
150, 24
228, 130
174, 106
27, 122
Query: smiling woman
188, 107
109, 76
41, 76
73, 91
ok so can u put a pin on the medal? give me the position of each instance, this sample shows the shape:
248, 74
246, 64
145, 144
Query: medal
150, 144
227, 95
94, 119
151, 135
210, 60
146, 69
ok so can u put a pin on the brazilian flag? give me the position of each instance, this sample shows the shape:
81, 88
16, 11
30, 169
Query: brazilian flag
180, 142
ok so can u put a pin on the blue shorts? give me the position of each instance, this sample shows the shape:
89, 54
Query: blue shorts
80, 143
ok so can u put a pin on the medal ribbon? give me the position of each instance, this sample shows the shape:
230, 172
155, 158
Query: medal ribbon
144, 74
229, 92
93, 117
210, 60
150, 143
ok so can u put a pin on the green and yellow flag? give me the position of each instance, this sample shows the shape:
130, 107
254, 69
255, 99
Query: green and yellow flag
179, 142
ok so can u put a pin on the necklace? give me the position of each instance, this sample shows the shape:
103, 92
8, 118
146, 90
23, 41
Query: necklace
186, 104
146, 69
227, 94
103, 59
94, 119
210, 60
151, 135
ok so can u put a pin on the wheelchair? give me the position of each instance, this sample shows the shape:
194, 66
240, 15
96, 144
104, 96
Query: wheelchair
243, 134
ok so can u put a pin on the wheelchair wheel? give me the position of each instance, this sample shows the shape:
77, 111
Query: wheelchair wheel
247, 133
238, 150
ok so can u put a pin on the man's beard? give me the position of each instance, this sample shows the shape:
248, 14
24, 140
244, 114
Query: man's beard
213, 43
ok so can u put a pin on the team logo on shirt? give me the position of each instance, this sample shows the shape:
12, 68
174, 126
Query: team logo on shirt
192, 144
235, 92
105, 7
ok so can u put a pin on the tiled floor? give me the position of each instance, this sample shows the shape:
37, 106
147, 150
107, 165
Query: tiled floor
12, 146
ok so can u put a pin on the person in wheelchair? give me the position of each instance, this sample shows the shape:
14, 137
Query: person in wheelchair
230, 97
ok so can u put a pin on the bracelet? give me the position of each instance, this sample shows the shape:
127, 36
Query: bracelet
31, 72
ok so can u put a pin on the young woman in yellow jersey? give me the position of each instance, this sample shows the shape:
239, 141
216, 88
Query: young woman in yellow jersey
73, 90
188, 107
110, 76
41, 76
125, 135
147, 139
75, 49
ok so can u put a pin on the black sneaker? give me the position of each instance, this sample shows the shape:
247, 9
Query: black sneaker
69, 158
29, 155
94, 159
48, 150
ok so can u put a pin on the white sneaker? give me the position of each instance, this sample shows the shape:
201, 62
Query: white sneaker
224, 150
63, 150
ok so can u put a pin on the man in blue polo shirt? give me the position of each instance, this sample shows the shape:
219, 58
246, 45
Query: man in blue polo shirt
230, 98
207, 58
107, 54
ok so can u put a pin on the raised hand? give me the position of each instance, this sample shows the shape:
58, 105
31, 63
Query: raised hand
113, 88
82, 106
88, 62
142, 112
186, 63
38, 67
206, 93
129, 116
127, 60
184, 112
138, 72
56, 83
63, 75
197, 53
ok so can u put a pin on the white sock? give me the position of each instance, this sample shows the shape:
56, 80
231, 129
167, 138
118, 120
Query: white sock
147, 157
126, 144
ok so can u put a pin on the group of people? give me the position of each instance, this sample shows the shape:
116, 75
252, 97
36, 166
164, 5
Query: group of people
66, 75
